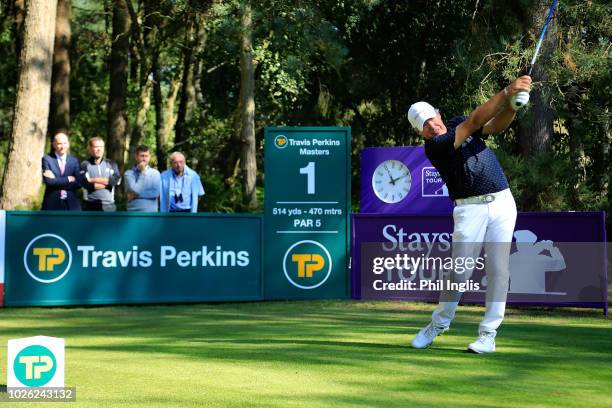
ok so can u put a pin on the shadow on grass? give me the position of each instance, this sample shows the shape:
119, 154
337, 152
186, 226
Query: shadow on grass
264, 328
370, 341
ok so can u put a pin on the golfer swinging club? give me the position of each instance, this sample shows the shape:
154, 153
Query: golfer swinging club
485, 210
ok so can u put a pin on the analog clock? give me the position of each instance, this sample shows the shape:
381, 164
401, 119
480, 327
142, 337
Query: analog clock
391, 181
400, 180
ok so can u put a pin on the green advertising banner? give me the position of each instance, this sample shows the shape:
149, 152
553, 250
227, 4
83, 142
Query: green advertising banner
307, 208
66, 258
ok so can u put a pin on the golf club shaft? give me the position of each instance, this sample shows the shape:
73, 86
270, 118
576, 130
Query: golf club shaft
542, 34
521, 99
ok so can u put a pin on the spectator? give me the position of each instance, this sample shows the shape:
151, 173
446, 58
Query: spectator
142, 183
60, 175
99, 178
180, 187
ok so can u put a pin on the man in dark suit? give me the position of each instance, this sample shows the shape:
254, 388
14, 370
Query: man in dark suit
61, 173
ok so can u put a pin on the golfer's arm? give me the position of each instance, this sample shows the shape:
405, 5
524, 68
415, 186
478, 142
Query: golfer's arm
479, 117
500, 122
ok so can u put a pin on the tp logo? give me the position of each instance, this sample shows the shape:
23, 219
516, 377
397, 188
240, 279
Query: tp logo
307, 264
35, 362
47, 258
281, 141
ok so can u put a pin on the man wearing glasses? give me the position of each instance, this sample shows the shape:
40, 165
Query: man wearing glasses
180, 187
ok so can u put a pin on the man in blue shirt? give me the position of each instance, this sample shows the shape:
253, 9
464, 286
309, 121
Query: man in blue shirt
142, 183
485, 211
180, 187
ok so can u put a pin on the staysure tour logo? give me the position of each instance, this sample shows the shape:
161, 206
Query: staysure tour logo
432, 184
281, 141
307, 264
47, 258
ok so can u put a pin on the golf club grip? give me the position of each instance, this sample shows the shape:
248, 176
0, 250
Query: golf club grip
519, 100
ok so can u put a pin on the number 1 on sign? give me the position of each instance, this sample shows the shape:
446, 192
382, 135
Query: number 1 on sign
309, 170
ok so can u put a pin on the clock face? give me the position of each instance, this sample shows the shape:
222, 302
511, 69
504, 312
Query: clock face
391, 181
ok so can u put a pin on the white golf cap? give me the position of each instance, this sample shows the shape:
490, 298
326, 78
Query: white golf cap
419, 113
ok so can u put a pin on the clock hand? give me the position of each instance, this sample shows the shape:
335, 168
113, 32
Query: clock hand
400, 177
391, 181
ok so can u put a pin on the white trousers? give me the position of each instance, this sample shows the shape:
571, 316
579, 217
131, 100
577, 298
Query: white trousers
475, 224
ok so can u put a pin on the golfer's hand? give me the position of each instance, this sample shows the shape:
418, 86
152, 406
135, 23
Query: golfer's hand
520, 84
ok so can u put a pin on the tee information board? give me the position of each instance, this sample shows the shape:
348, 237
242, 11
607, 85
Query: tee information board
307, 208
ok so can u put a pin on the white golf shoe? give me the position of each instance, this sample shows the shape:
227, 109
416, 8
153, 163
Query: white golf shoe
427, 335
485, 343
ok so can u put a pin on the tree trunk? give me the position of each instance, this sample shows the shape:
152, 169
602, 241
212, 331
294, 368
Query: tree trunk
576, 130
19, 12
169, 116
187, 100
247, 108
191, 91
164, 112
161, 144
22, 177
577, 156
144, 103
606, 160
536, 127
141, 35
118, 90
59, 116
197, 75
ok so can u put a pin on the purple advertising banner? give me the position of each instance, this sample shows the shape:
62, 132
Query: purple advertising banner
401, 180
556, 259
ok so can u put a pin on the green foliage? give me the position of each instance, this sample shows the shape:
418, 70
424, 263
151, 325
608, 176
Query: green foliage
360, 64
219, 197
89, 53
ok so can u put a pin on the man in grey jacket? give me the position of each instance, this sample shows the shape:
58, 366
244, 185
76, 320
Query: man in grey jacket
99, 177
